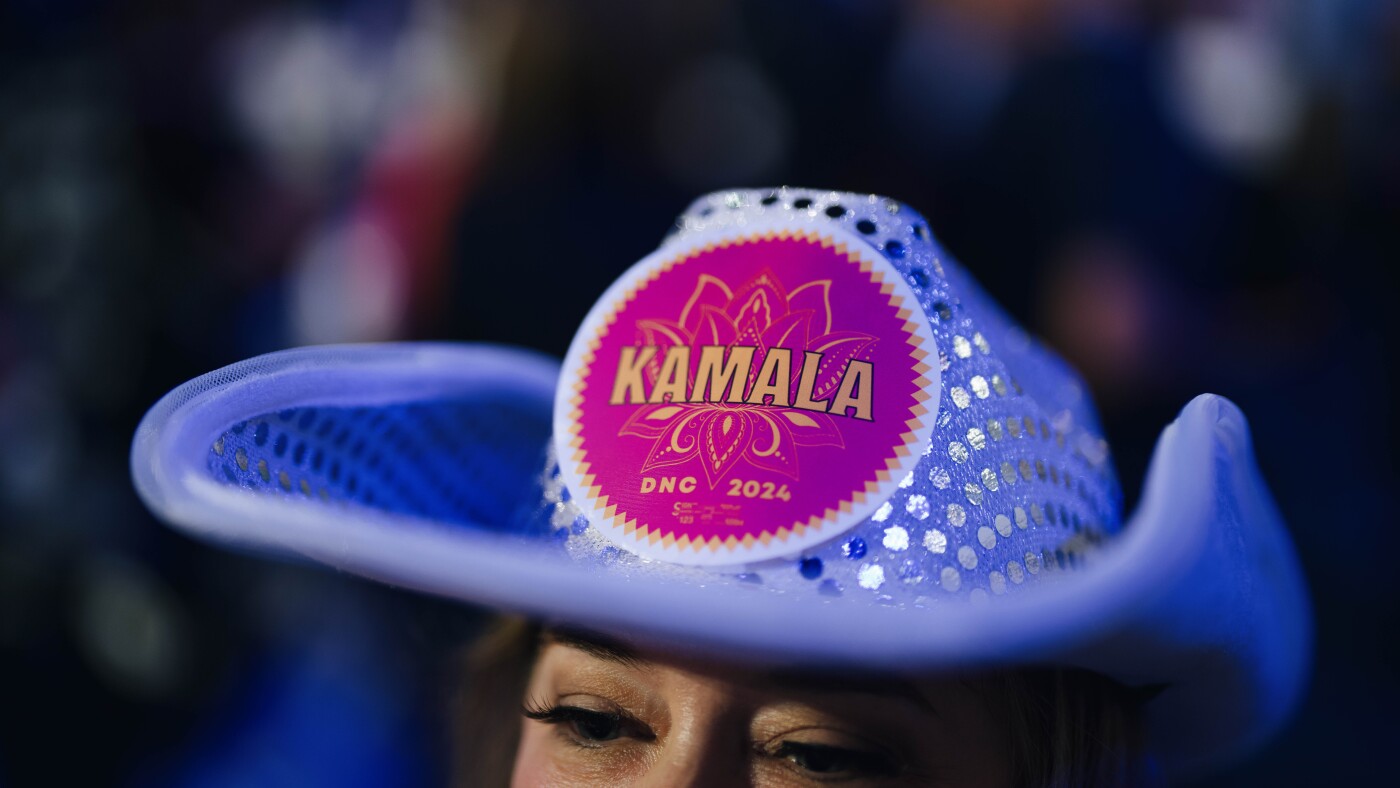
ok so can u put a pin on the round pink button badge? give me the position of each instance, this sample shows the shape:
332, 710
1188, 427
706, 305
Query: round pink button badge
746, 394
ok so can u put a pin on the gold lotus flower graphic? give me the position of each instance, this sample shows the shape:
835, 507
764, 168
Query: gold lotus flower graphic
763, 314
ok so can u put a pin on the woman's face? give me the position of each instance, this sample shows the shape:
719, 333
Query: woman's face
602, 714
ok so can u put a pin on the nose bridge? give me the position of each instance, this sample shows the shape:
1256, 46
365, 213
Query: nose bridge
707, 748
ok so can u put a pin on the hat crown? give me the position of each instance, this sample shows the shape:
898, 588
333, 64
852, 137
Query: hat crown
1014, 484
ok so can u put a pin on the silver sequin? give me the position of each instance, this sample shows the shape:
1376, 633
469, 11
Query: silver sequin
1013, 570
935, 541
960, 397
973, 493
989, 479
950, 579
976, 439
998, 582
961, 348
967, 557
1003, 524
896, 538
940, 478
917, 505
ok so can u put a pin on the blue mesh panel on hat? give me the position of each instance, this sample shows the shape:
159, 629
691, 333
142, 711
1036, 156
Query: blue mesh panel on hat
460, 461
1016, 483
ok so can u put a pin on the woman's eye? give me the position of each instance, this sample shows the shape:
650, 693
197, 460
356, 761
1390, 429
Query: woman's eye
595, 726
820, 759
587, 726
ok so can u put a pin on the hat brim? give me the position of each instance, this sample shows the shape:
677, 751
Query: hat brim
1201, 593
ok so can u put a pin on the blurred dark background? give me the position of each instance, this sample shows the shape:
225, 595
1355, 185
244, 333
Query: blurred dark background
1181, 195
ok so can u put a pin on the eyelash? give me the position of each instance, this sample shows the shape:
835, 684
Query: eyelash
862, 763
574, 722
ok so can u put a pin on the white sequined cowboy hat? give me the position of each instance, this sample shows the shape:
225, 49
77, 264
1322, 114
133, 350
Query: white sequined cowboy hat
797, 431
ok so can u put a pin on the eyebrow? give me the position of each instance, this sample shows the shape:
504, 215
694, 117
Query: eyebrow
885, 686
594, 645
